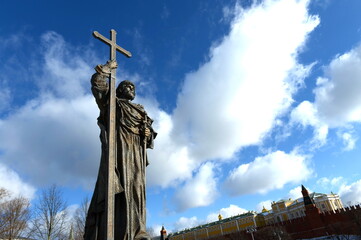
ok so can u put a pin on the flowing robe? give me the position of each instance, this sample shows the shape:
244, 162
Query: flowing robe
131, 161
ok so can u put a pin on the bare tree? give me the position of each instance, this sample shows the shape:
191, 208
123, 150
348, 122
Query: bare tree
14, 215
152, 233
49, 222
3, 194
79, 219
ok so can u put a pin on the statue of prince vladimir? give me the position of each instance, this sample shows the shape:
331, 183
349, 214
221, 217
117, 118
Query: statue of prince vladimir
134, 134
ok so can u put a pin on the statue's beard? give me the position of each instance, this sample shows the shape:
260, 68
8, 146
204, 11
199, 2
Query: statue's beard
127, 95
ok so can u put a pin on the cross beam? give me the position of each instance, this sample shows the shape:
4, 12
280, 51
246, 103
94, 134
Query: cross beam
110, 191
112, 43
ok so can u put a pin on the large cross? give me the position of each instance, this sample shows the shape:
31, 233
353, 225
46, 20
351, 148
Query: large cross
111, 132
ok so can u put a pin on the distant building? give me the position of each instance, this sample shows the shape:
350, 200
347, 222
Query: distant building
315, 214
163, 234
218, 228
283, 210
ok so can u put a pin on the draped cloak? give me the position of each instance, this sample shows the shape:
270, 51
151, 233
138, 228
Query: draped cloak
131, 161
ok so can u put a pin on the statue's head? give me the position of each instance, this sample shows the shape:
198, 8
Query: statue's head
126, 90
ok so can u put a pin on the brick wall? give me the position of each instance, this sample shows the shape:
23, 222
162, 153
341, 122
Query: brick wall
346, 221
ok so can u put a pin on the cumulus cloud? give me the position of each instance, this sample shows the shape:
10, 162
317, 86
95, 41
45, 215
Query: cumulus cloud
264, 204
154, 230
66, 69
349, 140
70, 212
244, 101
276, 169
296, 193
330, 183
184, 222
351, 194
5, 97
170, 163
189, 222
228, 103
12, 182
199, 191
52, 139
306, 115
337, 100
230, 211
233, 100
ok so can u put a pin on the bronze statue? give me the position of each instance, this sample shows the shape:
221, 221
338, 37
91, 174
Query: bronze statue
134, 134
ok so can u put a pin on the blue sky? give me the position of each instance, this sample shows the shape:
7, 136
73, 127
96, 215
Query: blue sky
250, 99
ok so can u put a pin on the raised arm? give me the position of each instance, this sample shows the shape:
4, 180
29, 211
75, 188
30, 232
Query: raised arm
99, 82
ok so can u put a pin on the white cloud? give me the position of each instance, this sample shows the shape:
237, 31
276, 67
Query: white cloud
264, 204
70, 212
66, 71
230, 211
268, 172
330, 184
53, 140
244, 92
5, 97
11, 181
232, 101
322, 3
306, 114
144, 54
296, 193
154, 230
243, 102
335, 181
184, 222
349, 141
337, 100
351, 194
198, 191
170, 163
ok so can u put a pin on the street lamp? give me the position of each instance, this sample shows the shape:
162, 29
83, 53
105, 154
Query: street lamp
251, 230
277, 234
